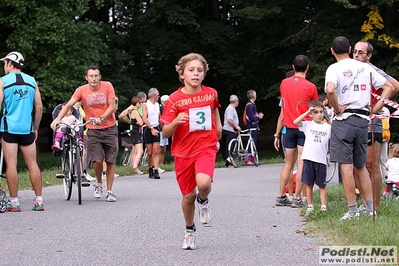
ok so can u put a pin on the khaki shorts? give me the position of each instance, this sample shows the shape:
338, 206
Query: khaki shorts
103, 144
348, 143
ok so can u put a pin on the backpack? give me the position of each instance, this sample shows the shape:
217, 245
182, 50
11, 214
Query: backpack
244, 116
386, 134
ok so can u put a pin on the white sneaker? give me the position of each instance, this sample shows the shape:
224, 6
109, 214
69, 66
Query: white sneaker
89, 177
349, 216
204, 212
98, 190
116, 175
104, 176
160, 170
110, 197
309, 210
138, 172
189, 240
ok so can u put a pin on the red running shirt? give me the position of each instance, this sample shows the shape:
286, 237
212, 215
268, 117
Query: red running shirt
200, 131
296, 94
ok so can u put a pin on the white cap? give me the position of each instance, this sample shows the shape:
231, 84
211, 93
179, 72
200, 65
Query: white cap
15, 57
164, 98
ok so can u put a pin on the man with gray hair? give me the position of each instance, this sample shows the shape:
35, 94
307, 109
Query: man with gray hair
230, 125
151, 131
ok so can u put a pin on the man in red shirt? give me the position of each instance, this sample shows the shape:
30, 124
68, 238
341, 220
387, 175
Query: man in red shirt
98, 102
296, 94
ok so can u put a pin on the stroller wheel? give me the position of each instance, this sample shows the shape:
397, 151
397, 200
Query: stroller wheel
3, 206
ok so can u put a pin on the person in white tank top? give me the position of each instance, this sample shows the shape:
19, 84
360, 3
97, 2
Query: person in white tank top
151, 132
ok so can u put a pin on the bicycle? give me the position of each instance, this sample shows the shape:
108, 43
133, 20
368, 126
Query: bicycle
126, 155
71, 159
236, 150
127, 145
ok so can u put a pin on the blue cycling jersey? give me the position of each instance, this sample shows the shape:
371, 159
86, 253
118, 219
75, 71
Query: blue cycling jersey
19, 96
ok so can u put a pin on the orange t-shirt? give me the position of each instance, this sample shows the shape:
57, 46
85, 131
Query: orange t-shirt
95, 102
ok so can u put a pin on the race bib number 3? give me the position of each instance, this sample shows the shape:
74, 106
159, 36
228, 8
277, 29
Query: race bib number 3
200, 118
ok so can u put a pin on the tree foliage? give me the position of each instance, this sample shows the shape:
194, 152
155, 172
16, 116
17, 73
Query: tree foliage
249, 44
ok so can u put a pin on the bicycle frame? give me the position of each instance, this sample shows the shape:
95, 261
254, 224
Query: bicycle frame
236, 149
71, 161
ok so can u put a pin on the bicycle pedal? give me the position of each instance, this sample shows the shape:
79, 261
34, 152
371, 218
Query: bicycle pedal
60, 176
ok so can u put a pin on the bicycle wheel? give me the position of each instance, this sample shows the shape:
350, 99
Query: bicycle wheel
331, 169
125, 158
254, 153
143, 159
234, 153
78, 173
67, 170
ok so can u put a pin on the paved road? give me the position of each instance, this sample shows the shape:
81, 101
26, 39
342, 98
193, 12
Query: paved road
145, 226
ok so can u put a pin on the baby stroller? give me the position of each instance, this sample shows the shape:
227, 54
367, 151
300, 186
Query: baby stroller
3, 203
393, 190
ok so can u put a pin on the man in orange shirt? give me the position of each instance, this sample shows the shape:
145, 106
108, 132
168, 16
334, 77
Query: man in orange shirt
98, 102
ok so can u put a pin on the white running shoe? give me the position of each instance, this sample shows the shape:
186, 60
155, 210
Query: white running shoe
160, 170
349, 216
98, 190
204, 212
189, 240
110, 197
89, 177
138, 172
116, 175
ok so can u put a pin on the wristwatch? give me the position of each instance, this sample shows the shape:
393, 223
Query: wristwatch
101, 119
276, 136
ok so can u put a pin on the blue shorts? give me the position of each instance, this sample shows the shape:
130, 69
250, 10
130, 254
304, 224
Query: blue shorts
314, 173
163, 141
293, 138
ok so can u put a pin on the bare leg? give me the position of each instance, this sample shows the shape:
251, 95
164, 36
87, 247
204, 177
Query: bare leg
188, 207
373, 167
155, 155
348, 183
299, 183
98, 170
29, 154
10, 151
309, 192
110, 175
323, 195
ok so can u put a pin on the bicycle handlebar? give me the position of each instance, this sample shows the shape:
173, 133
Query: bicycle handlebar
247, 130
75, 128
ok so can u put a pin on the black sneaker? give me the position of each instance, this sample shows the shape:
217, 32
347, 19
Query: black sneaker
156, 175
151, 172
85, 182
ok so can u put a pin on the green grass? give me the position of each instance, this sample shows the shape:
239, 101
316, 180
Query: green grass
384, 231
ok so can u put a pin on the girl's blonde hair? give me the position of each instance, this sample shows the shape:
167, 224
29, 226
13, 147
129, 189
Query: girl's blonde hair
187, 58
394, 150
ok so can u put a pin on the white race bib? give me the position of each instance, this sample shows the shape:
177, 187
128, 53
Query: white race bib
200, 118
